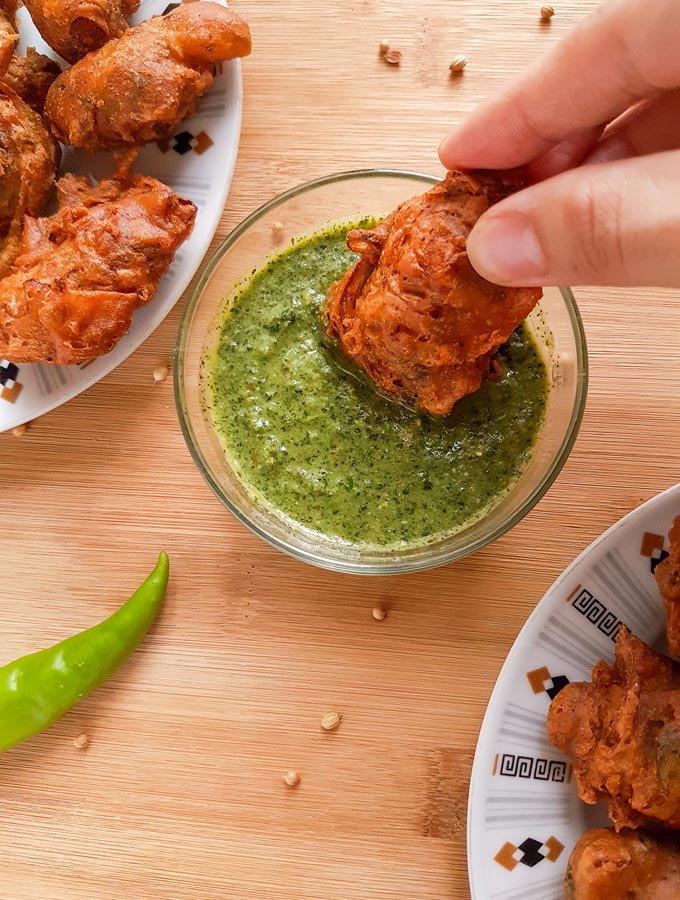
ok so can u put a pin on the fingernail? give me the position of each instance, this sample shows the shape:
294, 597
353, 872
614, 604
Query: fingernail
504, 248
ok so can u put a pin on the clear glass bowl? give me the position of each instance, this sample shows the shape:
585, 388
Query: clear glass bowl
348, 197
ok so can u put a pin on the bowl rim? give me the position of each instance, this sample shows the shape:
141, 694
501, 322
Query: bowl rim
440, 555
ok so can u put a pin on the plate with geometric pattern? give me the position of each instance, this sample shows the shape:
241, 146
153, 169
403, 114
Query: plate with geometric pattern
198, 164
524, 814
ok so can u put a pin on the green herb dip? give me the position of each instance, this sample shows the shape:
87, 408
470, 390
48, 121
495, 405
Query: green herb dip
323, 449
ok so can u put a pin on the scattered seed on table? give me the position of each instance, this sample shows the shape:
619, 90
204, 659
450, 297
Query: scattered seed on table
20, 430
160, 373
379, 613
292, 778
393, 57
457, 65
81, 741
383, 47
547, 12
331, 720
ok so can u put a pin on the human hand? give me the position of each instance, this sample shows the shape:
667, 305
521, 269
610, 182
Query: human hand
596, 124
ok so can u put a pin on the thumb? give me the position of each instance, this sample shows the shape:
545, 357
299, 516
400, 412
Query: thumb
616, 223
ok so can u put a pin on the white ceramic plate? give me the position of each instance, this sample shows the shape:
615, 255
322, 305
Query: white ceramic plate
524, 815
199, 165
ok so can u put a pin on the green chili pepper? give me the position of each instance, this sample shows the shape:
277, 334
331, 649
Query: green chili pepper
38, 689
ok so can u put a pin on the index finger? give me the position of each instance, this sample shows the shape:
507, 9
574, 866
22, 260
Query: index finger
622, 53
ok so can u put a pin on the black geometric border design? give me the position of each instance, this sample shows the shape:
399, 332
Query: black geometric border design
540, 769
597, 613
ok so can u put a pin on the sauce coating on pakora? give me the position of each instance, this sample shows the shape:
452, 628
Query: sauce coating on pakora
412, 312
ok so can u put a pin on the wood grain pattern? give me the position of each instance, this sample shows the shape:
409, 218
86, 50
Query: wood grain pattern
179, 795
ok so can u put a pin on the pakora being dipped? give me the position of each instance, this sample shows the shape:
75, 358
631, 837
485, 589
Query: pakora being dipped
412, 312
667, 575
29, 157
137, 89
76, 27
31, 76
83, 271
622, 732
629, 865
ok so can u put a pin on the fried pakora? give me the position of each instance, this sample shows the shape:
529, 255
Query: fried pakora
76, 27
29, 157
667, 574
84, 270
10, 7
9, 37
412, 312
31, 76
630, 865
622, 732
137, 89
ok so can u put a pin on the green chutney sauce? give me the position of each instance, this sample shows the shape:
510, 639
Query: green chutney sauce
322, 448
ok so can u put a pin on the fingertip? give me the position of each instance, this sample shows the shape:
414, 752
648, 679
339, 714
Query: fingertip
447, 151
504, 248
461, 149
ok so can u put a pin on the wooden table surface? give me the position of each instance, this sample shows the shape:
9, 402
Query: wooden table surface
179, 795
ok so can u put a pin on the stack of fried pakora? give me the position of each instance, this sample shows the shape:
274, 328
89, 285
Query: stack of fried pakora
622, 731
70, 282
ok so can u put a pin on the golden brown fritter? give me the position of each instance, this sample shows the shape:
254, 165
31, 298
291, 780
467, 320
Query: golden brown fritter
137, 89
29, 157
76, 27
622, 732
412, 312
9, 38
31, 76
667, 575
83, 271
630, 865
